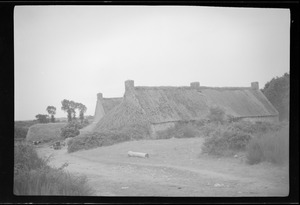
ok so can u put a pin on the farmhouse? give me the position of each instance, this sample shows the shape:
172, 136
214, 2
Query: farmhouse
158, 108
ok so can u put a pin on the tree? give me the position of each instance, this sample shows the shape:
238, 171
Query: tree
67, 108
70, 107
52, 111
70, 130
42, 118
82, 109
278, 93
73, 107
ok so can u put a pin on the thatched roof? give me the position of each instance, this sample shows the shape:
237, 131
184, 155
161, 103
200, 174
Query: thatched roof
103, 106
239, 102
109, 103
122, 115
163, 104
150, 105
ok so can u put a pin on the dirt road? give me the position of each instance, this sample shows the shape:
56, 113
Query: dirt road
175, 168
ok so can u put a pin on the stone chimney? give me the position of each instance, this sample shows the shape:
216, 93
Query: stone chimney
129, 85
254, 85
195, 85
99, 96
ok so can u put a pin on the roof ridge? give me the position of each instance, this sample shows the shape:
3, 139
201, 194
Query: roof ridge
189, 88
112, 98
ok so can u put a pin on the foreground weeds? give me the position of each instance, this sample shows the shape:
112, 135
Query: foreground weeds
271, 147
32, 176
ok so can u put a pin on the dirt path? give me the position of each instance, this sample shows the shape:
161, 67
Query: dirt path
174, 168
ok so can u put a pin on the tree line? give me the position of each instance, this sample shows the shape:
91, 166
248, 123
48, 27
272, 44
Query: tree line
277, 91
68, 106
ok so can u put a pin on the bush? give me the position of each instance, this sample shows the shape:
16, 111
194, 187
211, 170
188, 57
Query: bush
95, 139
70, 130
256, 128
20, 132
84, 123
272, 147
225, 141
32, 176
180, 130
254, 151
207, 129
216, 114
26, 158
108, 137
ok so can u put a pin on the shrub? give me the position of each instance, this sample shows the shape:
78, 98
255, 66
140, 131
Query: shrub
71, 129
180, 130
42, 118
34, 177
256, 128
84, 123
207, 129
225, 141
132, 132
216, 114
272, 147
26, 158
95, 139
108, 137
20, 132
254, 151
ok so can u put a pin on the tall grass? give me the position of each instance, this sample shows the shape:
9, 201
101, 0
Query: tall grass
272, 147
32, 176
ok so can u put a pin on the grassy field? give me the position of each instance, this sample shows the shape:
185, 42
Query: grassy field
45, 132
21, 128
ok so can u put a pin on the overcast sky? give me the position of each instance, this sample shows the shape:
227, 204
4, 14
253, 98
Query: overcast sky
75, 52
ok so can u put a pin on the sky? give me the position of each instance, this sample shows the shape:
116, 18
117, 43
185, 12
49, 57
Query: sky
75, 52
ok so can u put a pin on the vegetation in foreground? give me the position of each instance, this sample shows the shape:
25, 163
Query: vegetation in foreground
272, 147
277, 91
105, 138
32, 176
45, 132
224, 136
21, 128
